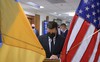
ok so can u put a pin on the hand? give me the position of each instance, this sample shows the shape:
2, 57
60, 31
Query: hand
54, 57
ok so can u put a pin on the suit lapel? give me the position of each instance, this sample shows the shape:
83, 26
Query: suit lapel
47, 45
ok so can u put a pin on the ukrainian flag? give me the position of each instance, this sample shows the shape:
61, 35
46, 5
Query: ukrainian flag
19, 43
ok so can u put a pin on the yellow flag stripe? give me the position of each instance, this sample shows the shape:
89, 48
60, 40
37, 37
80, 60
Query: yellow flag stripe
29, 41
20, 44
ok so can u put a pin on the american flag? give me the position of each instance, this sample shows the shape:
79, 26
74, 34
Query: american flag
82, 43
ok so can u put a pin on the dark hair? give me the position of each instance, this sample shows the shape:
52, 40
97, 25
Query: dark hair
52, 25
63, 24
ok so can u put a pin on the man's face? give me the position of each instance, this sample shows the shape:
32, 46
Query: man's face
62, 28
54, 30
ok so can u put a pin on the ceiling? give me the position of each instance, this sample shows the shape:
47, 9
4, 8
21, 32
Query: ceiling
57, 8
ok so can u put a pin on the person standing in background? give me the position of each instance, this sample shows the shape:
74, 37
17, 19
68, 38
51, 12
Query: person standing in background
64, 29
35, 30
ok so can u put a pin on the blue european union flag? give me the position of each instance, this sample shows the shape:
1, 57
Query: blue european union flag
0, 41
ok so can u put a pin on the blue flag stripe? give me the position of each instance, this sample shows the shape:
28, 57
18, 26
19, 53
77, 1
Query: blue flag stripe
0, 41
17, 0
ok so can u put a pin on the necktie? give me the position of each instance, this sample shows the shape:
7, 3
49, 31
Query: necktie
52, 46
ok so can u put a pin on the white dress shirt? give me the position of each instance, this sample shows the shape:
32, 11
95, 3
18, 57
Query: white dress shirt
50, 40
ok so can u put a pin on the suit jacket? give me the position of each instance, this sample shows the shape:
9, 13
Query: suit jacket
64, 34
36, 32
59, 41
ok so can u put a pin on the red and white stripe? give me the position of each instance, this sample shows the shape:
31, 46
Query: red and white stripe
82, 45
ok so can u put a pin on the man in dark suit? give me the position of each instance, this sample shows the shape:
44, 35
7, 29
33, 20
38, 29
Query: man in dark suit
64, 29
52, 42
